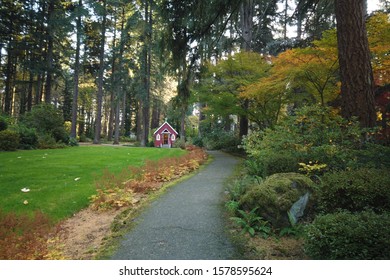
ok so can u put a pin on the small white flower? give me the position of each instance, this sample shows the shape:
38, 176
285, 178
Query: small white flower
76, 179
25, 190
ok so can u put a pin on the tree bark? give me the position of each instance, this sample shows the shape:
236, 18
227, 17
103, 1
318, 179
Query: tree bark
357, 82
49, 53
9, 81
30, 91
247, 11
155, 122
73, 132
119, 81
114, 82
98, 121
147, 69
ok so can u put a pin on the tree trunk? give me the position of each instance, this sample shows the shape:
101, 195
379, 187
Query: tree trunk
30, 91
147, 68
49, 53
117, 117
247, 11
357, 93
299, 25
155, 114
98, 121
138, 123
285, 20
9, 81
114, 81
73, 132
119, 80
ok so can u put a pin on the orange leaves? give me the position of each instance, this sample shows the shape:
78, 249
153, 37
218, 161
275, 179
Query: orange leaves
117, 191
23, 237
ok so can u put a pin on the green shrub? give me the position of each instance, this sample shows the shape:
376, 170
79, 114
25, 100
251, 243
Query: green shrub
47, 141
44, 118
60, 135
374, 156
3, 123
179, 143
73, 142
272, 163
314, 135
344, 235
9, 140
275, 196
28, 138
356, 190
237, 188
48, 123
198, 141
220, 139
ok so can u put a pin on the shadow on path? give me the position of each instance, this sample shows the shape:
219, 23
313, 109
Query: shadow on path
186, 223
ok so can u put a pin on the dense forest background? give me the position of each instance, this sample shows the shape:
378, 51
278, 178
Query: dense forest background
118, 68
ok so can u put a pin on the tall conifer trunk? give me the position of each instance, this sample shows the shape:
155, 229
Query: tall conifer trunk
247, 11
357, 94
49, 53
98, 121
73, 132
147, 69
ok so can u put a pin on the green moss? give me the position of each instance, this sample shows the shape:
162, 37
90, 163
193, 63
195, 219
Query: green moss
275, 196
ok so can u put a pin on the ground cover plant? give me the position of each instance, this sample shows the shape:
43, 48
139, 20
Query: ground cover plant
115, 191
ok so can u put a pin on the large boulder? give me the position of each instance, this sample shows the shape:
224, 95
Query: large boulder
280, 196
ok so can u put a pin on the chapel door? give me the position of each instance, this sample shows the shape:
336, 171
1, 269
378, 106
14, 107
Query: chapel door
165, 139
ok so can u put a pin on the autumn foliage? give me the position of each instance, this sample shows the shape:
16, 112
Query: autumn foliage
115, 191
23, 237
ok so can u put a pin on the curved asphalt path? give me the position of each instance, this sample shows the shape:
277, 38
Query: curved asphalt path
186, 223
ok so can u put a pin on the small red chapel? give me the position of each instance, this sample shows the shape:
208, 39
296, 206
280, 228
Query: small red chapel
165, 136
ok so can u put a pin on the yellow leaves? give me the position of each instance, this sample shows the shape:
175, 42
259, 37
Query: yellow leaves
378, 29
312, 167
312, 69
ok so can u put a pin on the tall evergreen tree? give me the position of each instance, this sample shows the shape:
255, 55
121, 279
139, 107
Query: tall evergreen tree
357, 80
73, 132
99, 99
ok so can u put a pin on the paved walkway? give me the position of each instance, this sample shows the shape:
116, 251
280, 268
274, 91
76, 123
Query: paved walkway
186, 223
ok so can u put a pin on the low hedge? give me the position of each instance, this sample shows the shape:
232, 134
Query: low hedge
356, 190
3, 123
9, 140
349, 236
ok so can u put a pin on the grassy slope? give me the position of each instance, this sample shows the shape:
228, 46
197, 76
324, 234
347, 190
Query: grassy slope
50, 175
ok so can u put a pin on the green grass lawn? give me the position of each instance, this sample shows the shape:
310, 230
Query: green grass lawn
61, 181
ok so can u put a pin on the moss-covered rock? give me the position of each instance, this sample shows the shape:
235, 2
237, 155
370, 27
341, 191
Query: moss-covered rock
275, 196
